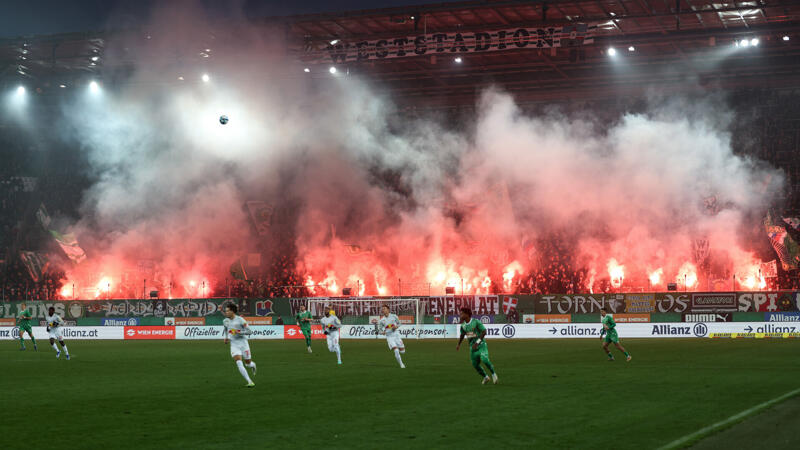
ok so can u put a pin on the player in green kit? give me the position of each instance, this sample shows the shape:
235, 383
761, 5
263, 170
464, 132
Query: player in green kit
609, 335
478, 351
303, 318
24, 320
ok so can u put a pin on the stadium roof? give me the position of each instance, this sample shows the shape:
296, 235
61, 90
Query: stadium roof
677, 45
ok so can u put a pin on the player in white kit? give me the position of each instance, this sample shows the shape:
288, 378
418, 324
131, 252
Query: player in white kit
388, 325
236, 330
330, 326
54, 324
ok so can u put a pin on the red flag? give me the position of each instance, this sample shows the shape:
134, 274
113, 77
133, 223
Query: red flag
509, 304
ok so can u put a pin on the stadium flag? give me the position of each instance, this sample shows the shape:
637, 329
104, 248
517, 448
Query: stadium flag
43, 217
261, 213
69, 244
36, 263
769, 269
786, 248
356, 250
238, 271
509, 304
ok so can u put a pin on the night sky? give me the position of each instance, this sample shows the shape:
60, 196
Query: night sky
35, 17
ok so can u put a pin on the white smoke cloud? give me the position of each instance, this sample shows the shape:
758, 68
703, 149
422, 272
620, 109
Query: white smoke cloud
369, 196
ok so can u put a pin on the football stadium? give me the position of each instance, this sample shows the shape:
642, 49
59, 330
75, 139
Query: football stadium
366, 224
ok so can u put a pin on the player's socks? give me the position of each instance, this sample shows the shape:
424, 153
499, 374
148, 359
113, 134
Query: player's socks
627, 354
398, 358
243, 371
494, 378
489, 365
21, 341
252, 365
403, 351
481, 372
64, 347
610, 356
309, 349
55, 347
338, 354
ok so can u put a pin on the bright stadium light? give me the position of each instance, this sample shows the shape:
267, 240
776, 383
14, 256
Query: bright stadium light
744, 43
95, 58
306, 70
334, 42
94, 88
754, 42
205, 78
20, 90
62, 86
332, 70
785, 38
631, 49
612, 51
458, 60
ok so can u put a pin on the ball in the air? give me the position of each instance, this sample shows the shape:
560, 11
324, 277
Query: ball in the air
223, 119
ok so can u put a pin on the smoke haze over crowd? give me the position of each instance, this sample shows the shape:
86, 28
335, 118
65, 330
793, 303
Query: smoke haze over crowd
367, 196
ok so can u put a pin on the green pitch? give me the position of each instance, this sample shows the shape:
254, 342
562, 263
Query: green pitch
552, 394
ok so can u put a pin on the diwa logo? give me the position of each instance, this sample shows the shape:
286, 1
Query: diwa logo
264, 308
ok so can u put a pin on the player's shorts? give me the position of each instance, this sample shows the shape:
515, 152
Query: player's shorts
481, 352
306, 331
240, 347
25, 328
394, 341
333, 340
611, 336
56, 333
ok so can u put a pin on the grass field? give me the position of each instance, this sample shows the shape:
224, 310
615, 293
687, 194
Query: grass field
552, 394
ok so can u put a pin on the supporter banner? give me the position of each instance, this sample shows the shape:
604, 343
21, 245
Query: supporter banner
455, 43
293, 332
768, 301
782, 317
714, 301
128, 308
351, 307
481, 305
613, 303
155, 332
407, 332
69, 333
7, 322
707, 317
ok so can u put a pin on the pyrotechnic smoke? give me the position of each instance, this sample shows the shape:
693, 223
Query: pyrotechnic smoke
368, 197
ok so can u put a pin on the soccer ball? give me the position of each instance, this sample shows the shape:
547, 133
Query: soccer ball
223, 119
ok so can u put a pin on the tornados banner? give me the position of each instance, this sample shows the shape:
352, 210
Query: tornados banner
457, 43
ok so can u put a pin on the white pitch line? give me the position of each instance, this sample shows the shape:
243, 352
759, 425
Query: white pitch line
680, 443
